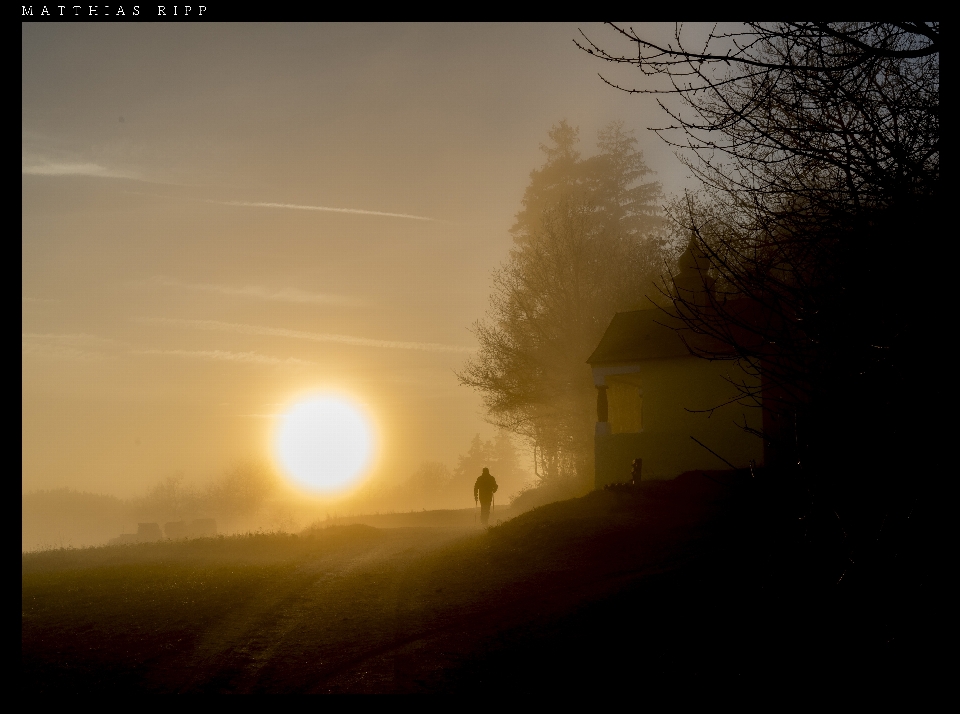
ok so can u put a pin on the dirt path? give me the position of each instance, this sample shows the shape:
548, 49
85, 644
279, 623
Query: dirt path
408, 617
607, 587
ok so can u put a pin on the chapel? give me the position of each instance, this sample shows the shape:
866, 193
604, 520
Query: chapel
659, 400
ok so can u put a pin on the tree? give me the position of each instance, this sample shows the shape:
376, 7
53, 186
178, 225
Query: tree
586, 245
499, 455
834, 117
242, 492
817, 146
610, 182
428, 487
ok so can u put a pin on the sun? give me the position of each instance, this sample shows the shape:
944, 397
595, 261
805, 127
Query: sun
324, 443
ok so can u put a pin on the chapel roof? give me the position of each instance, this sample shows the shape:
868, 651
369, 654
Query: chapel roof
638, 335
654, 334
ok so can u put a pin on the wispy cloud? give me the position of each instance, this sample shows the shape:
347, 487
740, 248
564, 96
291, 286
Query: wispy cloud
258, 292
90, 348
83, 347
40, 167
44, 154
298, 207
242, 329
226, 356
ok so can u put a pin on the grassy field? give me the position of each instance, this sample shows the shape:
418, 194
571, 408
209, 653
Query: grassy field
648, 587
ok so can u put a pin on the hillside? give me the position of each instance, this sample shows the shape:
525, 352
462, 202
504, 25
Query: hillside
643, 587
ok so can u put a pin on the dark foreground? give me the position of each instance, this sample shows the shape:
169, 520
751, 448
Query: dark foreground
687, 587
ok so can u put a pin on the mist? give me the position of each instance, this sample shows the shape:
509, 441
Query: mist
254, 497
438, 357
211, 230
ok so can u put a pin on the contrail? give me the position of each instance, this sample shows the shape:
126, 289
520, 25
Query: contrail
258, 292
298, 207
242, 329
67, 346
225, 356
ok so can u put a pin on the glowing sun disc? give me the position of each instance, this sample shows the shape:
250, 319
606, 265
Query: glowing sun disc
324, 442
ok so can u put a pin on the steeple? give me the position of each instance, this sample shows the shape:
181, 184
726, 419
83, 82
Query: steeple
692, 282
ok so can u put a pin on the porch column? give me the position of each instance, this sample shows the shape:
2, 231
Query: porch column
602, 409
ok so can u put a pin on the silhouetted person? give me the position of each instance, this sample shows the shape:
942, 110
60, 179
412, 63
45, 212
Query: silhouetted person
483, 491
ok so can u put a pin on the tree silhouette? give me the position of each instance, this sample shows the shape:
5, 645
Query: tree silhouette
586, 245
817, 148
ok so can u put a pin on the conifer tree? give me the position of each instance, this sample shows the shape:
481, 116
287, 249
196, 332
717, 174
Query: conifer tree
587, 245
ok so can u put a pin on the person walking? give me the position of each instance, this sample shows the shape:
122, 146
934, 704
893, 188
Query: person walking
483, 491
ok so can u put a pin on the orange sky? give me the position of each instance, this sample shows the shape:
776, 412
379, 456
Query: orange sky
182, 274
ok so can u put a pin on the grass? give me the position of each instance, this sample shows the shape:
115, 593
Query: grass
610, 590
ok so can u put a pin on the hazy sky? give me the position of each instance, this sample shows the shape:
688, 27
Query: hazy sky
183, 276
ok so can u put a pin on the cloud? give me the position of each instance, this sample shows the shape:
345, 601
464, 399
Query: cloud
90, 348
225, 356
44, 154
242, 329
297, 207
82, 347
40, 167
259, 292
37, 301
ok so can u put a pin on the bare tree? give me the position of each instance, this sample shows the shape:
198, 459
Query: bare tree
817, 148
817, 145
834, 117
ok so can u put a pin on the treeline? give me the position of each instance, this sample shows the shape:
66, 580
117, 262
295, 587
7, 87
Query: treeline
245, 497
252, 496
434, 485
